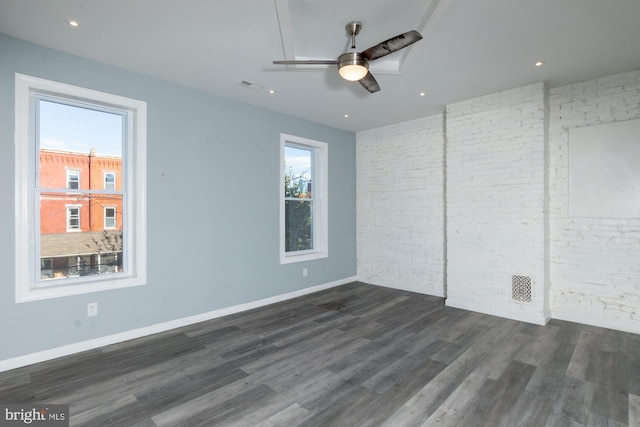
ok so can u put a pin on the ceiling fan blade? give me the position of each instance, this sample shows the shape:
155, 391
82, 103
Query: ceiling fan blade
369, 83
394, 44
308, 62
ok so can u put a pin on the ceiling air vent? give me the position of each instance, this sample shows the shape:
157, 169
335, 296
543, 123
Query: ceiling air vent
250, 85
521, 288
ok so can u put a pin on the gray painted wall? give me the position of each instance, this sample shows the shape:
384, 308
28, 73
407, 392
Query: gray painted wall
212, 225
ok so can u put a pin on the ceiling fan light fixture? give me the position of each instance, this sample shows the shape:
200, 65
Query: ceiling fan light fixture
352, 66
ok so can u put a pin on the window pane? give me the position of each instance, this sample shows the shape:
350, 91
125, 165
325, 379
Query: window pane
64, 127
78, 242
110, 181
73, 219
297, 182
298, 172
80, 232
110, 218
73, 180
298, 225
80, 254
110, 263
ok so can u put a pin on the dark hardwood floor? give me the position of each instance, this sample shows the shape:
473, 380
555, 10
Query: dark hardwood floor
354, 355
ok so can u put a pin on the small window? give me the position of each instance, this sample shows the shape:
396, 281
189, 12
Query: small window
109, 218
110, 181
303, 207
73, 218
73, 179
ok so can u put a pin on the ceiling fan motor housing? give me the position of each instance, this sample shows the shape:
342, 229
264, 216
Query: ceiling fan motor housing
352, 66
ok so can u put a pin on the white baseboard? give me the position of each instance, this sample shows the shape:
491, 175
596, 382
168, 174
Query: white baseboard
41, 356
439, 293
618, 325
535, 318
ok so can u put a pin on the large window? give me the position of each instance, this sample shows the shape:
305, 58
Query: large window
303, 207
78, 230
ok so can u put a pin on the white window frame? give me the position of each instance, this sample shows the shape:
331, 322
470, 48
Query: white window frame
28, 285
114, 181
115, 221
69, 228
320, 211
69, 173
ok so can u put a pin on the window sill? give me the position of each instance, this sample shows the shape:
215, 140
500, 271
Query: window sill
302, 256
63, 290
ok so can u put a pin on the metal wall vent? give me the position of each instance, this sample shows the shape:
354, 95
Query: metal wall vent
521, 288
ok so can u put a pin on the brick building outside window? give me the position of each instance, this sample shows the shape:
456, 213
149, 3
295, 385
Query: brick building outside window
80, 233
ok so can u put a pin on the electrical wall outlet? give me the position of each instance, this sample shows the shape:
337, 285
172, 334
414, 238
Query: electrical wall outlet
305, 273
92, 309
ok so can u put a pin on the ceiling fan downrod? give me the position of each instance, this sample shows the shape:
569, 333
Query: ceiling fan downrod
353, 29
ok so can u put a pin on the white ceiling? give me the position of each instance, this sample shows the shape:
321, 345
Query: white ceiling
470, 47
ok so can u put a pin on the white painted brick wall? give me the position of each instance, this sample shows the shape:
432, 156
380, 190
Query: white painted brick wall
400, 238
495, 172
495, 166
594, 262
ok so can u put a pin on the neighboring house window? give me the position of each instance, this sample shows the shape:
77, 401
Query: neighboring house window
46, 268
73, 179
110, 181
52, 122
303, 199
109, 218
73, 218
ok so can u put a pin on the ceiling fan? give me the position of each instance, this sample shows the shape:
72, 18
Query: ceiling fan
354, 65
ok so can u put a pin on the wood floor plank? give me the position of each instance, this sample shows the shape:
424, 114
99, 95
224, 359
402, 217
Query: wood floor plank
15, 386
298, 348
110, 413
332, 394
436, 391
549, 379
395, 372
458, 406
292, 415
633, 350
541, 346
497, 398
500, 361
531, 410
634, 410
572, 404
597, 420
232, 411
353, 409
353, 355
286, 375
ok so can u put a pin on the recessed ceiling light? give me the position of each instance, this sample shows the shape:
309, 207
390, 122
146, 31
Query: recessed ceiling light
539, 63
346, 116
271, 91
423, 93
73, 23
